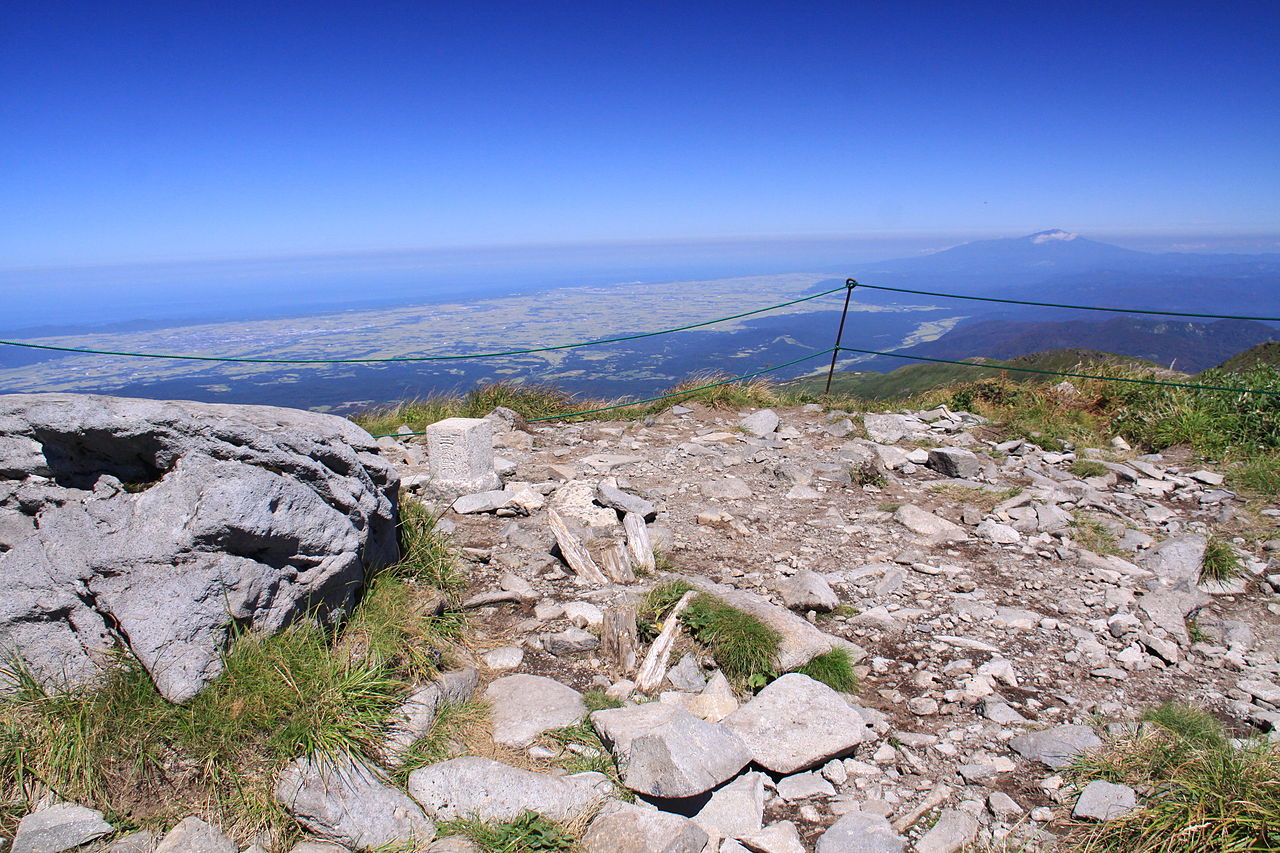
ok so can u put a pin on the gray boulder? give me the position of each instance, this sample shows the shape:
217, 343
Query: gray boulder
664, 751
192, 835
343, 800
952, 831
796, 723
954, 462
1104, 801
1177, 560
735, 810
492, 791
163, 524
522, 707
611, 496
860, 832
760, 423
1055, 747
624, 828
59, 827
931, 529
886, 429
807, 590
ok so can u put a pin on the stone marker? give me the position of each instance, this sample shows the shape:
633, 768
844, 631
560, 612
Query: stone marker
460, 452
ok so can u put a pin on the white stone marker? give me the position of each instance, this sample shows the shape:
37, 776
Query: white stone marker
461, 456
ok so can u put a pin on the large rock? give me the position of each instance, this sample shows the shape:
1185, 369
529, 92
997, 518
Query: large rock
807, 590
760, 423
665, 751
931, 529
624, 828
952, 831
59, 827
522, 707
1055, 747
735, 810
492, 791
886, 429
954, 462
1177, 560
859, 832
796, 723
347, 801
164, 524
801, 642
1104, 801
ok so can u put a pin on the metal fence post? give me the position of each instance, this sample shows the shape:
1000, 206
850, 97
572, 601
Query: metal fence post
849, 284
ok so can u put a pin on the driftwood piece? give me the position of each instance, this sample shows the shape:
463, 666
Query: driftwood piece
616, 562
618, 638
654, 668
638, 544
574, 552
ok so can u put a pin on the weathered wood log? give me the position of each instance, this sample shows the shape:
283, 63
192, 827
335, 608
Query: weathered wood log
654, 668
618, 638
574, 552
615, 562
638, 544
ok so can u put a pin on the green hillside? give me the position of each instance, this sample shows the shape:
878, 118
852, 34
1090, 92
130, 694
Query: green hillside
917, 378
1267, 353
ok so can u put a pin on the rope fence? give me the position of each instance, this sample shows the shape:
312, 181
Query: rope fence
834, 351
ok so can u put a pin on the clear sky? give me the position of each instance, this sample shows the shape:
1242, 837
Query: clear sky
132, 131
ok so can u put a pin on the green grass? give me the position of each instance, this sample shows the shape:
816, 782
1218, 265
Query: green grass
596, 700
582, 750
1088, 468
426, 556
528, 833
1257, 474
123, 749
447, 735
834, 669
742, 646
1092, 535
1221, 562
1203, 793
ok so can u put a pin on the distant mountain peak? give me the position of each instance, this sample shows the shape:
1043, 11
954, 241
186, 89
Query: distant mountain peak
1053, 234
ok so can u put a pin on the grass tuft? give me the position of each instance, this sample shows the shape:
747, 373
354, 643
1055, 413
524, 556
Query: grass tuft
446, 738
425, 554
1202, 791
743, 647
528, 833
834, 669
1088, 468
1221, 562
1092, 535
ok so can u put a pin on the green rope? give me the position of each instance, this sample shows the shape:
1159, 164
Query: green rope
651, 399
417, 358
1063, 373
1078, 307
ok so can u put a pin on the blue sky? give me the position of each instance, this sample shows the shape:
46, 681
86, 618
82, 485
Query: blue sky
135, 131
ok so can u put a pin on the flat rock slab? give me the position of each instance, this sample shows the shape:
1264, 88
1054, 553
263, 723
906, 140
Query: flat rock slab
859, 832
343, 800
665, 751
1055, 747
1104, 801
522, 707
796, 723
954, 462
624, 828
192, 835
59, 827
492, 791
801, 641
886, 429
1177, 560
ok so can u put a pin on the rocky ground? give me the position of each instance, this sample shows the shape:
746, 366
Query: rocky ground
991, 644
